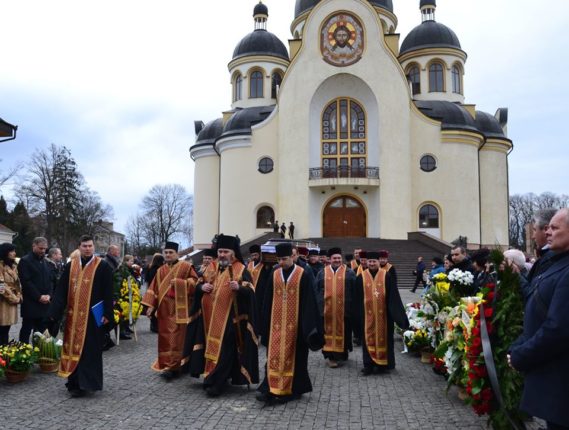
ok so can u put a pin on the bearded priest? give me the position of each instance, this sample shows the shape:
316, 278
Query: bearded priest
221, 341
85, 294
336, 283
379, 309
169, 297
290, 327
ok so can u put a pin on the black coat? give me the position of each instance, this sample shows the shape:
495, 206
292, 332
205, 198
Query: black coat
37, 279
542, 353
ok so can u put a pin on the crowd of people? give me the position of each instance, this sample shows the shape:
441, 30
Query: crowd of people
211, 319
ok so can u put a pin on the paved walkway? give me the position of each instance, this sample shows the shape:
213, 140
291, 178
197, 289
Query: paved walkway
134, 397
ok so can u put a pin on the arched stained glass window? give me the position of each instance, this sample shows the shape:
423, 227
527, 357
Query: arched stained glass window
344, 139
238, 88
276, 81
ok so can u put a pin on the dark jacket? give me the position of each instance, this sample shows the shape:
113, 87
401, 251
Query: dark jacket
37, 279
465, 265
542, 352
112, 261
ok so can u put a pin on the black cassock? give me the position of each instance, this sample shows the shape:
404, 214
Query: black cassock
264, 276
88, 375
349, 285
309, 334
395, 314
230, 360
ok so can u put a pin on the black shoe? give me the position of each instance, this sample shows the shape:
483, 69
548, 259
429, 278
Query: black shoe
212, 391
124, 336
263, 397
413, 290
168, 375
357, 341
108, 344
366, 371
76, 392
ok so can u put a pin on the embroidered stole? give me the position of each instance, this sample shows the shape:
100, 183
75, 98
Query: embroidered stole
216, 307
375, 322
179, 270
255, 272
78, 312
354, 264
334, 308
281, 352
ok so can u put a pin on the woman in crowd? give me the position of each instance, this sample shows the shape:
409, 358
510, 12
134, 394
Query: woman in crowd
10, 290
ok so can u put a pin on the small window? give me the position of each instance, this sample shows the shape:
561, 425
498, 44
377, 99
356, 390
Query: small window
428, 217
436, 78
428, 163
256, 85
265, 217
456, 80
276, 82
238, 95
266, 165
415, 79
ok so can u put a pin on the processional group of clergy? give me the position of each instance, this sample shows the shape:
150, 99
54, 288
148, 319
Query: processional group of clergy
213, 318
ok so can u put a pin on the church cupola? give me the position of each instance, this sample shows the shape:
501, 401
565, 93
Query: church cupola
433, 59
259, 63
428, 8
260, 15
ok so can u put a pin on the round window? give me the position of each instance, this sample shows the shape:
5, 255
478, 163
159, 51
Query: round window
266, 165
428, 163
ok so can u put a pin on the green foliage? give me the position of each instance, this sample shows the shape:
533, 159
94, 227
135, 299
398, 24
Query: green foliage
508, 323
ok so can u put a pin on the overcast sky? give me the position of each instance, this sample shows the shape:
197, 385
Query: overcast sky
121, 82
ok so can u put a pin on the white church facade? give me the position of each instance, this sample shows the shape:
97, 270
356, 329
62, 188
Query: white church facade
350, 133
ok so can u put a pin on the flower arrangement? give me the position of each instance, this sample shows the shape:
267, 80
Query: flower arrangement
19, 356
461, 283
2, 366
418, 340
49, 350
128, 307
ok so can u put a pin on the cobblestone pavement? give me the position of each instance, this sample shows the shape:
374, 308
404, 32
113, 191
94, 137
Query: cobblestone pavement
134, 397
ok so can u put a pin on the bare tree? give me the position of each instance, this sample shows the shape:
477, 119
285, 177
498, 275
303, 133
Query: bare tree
6, 175
165, 212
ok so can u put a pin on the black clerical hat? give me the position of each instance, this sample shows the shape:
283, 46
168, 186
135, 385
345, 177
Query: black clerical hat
312, 252
210, 253
372, 255
333, 251
284, 250
255, 248
227, 242
363, 254
383, 254
323, 252
171, 245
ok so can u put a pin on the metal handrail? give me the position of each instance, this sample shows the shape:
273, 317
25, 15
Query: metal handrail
343, 172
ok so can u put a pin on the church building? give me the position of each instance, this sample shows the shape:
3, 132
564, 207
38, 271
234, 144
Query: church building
352, 133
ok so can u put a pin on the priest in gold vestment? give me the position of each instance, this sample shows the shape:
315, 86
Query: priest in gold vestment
290, 327
86, 282
379, 309
169, 297
222, 342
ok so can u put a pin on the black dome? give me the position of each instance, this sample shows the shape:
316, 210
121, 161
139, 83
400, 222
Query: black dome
304, 5
430, 34
489, 125
260, 42
210, 132
242, 120
261, 9
428, 3
452, 115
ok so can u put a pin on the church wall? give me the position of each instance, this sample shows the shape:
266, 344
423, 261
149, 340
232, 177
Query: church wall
384, 77
494, 191
206, 200
452, 187
243, 188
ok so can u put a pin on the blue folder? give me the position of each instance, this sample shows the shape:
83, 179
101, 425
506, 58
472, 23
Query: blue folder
98, 312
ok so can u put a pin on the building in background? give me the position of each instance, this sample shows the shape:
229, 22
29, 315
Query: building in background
350, 133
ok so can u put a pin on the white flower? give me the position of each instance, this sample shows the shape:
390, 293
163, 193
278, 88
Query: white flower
59, 342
